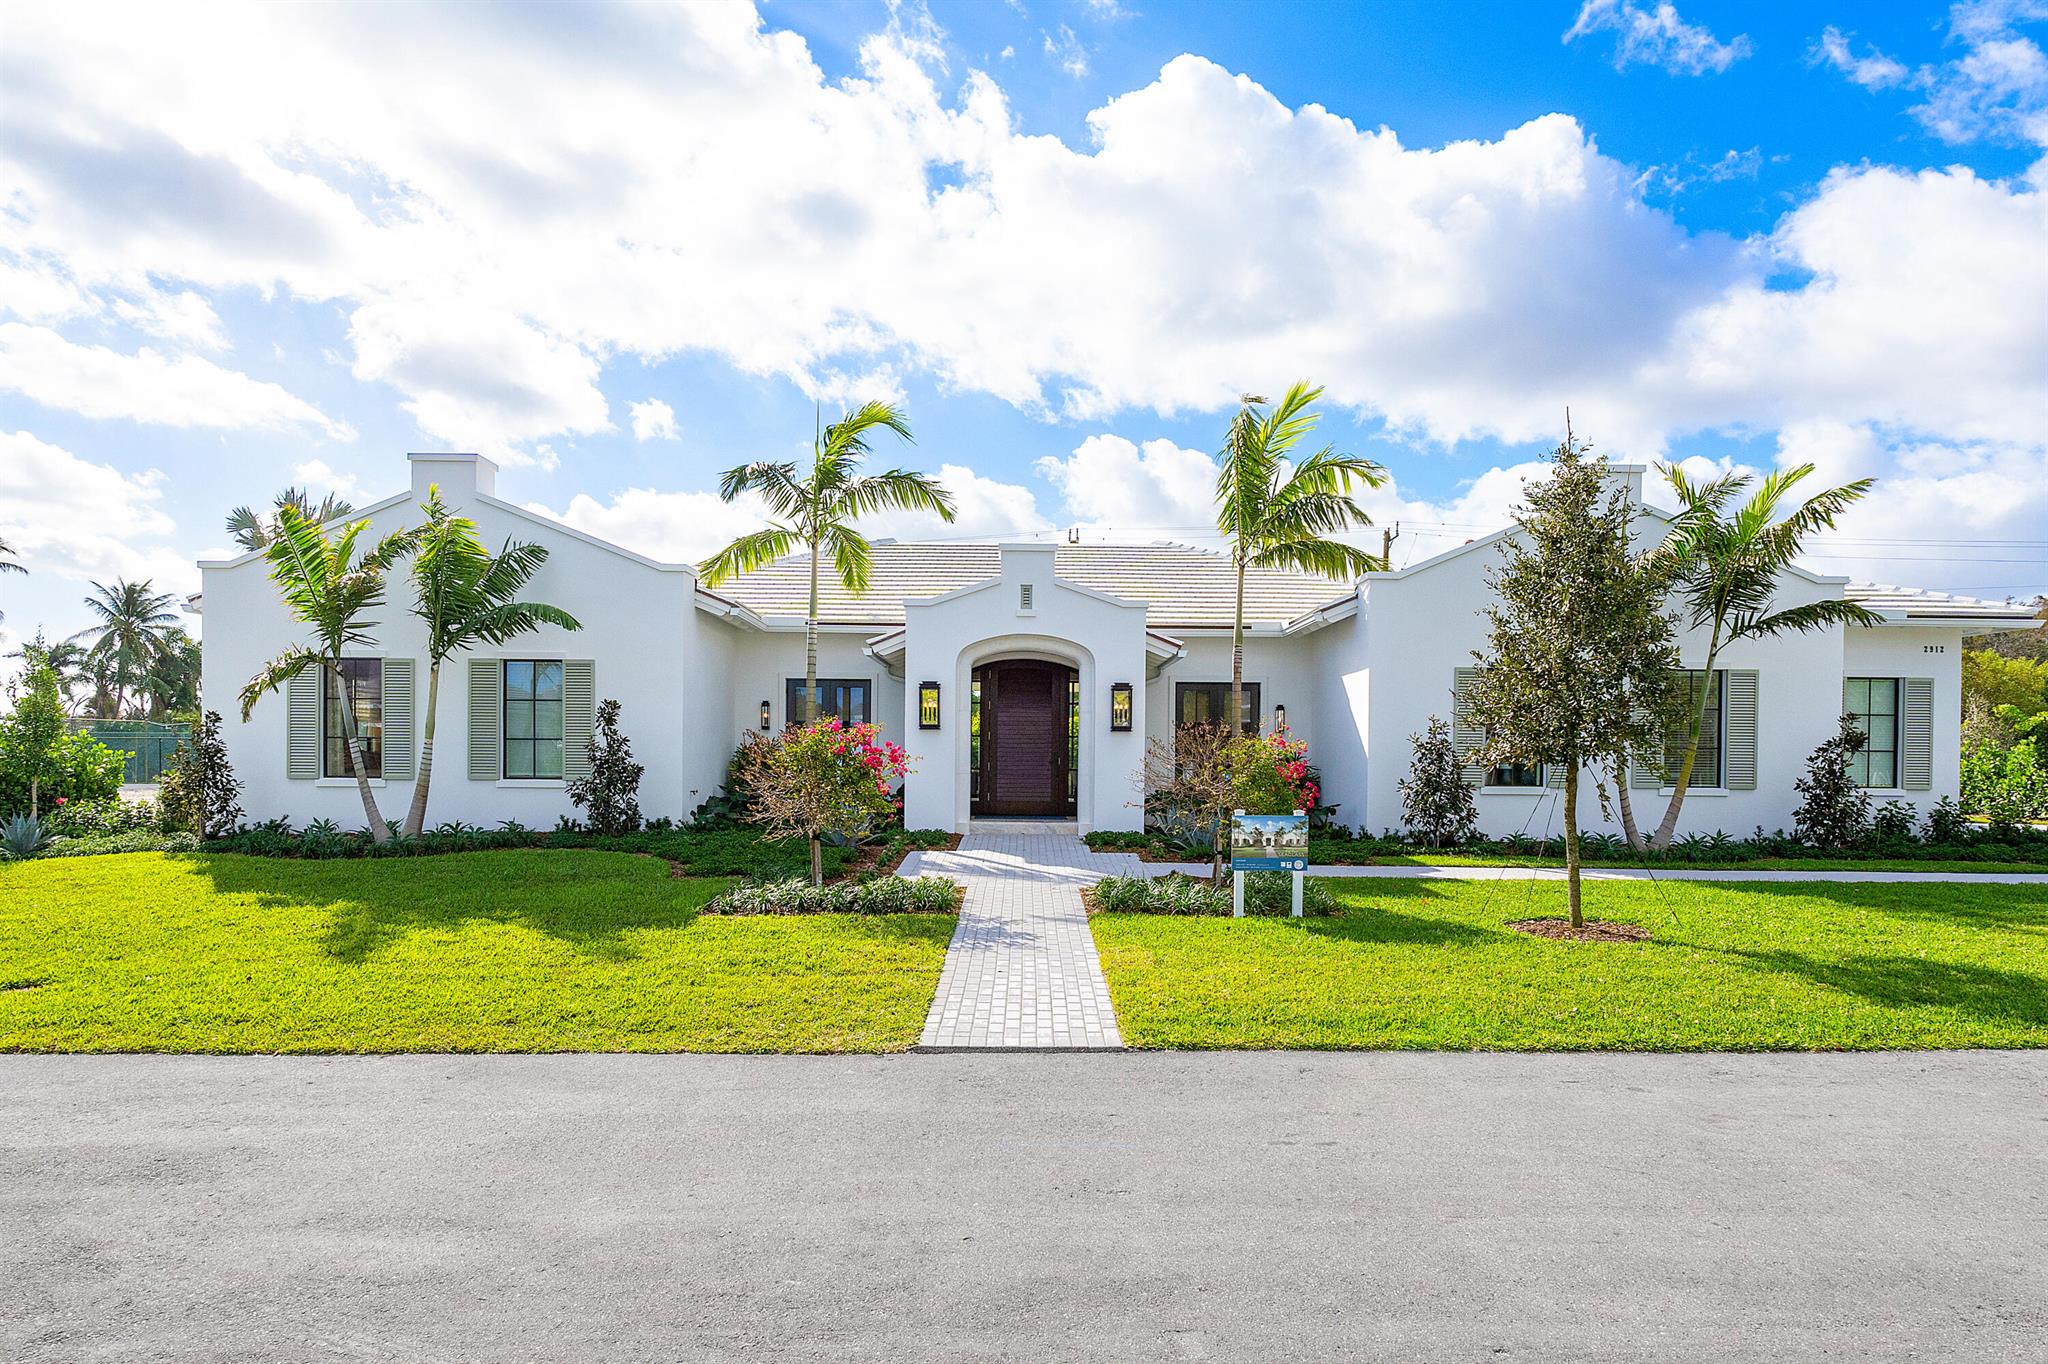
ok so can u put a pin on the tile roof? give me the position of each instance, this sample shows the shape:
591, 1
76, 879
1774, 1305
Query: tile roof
1920, 601
1182, 587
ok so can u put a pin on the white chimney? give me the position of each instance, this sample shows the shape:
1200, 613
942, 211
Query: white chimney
1630, 476
460, 477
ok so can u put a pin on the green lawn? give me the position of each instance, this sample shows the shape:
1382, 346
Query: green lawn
495, 951
1431, 964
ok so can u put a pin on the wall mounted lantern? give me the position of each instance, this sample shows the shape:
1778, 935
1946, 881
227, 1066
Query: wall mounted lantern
927, 705
767, 716
1120, 707
1279, 718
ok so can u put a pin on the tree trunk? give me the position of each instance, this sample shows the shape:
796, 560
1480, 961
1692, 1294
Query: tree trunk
35, 797
1571, 840
378, 833
416, 817
1237, 658
1628, 812
1669, 825
810, 706
817, 863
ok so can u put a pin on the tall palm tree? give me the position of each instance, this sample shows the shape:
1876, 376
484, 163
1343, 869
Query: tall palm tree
466, 596
9, 563
1724, 570
1279, 514
65, 657
816, 512
133, 630
253, 530
328, 588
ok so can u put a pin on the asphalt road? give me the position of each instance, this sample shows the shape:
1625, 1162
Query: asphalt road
1032, 1207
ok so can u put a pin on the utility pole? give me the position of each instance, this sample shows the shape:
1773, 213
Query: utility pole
1387, 538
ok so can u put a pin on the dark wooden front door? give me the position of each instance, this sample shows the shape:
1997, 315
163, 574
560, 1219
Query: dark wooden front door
1024, 763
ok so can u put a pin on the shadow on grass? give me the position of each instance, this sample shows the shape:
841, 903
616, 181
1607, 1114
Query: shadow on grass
1985, 992
1362, 918
590, 901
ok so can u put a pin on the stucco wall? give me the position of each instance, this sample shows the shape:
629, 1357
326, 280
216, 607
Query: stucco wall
1919, 651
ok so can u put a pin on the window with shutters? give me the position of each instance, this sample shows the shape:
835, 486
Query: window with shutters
1206, 703
845, 697
1874, 702
365, 681
533, 718
1706, 769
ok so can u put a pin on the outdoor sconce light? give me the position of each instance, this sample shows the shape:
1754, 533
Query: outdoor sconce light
1120, 707
1279, 717
927, 705
767, 716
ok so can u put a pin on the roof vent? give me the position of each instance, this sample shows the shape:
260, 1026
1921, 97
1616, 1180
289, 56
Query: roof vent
1023, 596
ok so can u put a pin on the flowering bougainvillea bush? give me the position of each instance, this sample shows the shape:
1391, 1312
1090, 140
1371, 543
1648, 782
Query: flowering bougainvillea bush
1272, 776
818, 780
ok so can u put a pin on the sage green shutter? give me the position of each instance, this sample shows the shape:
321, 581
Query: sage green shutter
1646, 770
579, 716
1553, 775
486, 718
1738, 729
1466, 736
401, 742
1916, 728
302, 725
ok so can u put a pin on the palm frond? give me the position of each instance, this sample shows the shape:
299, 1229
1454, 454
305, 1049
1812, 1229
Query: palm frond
274, 674
1809, 616
757, 549
895, 490
851, 559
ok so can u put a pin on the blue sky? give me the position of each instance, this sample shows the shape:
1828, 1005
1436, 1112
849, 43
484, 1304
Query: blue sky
622, 249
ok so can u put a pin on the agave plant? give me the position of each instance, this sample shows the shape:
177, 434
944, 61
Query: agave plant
23, 836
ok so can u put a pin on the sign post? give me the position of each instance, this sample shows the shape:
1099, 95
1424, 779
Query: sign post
1267, 843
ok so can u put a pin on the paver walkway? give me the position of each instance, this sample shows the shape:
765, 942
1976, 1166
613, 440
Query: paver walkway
1022, 971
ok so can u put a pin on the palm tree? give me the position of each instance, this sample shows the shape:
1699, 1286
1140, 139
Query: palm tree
171, 682
465, 595
1278, 514
133, 631
9, 564
1724, 569
816, 512
328, 588
66, 657
254, 531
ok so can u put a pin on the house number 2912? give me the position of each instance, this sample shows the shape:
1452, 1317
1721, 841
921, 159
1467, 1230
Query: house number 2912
1934, 648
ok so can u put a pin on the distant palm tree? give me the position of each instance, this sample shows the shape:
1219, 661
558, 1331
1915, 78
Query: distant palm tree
66, 658
132, 632
327, 587
255, 531
1724, 570
466, 596
1278, 514
172, 682
816, 512
8, 564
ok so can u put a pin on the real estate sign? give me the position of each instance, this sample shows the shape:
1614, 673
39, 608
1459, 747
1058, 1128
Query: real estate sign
1269, 842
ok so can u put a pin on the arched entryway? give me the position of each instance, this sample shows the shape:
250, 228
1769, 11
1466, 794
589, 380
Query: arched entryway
1024, 738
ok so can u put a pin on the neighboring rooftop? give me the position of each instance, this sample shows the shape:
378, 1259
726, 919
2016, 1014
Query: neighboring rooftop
1915, 603
1182, 587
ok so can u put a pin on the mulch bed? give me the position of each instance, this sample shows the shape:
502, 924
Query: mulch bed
1594, 930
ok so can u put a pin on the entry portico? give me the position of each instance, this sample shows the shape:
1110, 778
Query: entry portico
1024, 664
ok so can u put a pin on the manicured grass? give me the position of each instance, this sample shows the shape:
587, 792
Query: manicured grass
497, 951
1431, 964
1747, 864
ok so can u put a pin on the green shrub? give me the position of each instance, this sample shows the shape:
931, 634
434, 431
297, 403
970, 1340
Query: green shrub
77, 767
612, 790
127, 841
103, 818
881, 895
1265, 893
2008, 785
199, 791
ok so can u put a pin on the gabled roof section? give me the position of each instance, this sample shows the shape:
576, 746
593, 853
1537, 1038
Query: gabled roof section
1181, 586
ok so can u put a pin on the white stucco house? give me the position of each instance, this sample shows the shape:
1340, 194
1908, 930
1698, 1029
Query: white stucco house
1024, 679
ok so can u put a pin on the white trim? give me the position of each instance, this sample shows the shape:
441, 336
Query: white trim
529, 783
376, 783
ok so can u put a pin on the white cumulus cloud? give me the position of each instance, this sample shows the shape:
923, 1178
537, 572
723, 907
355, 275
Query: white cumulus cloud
653, 420
1658, 36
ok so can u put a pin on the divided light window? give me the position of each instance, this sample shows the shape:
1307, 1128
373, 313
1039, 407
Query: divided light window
1874, 702
1516, 774
846, 697
365, 678
1206, 703
1706, 770
533, 718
